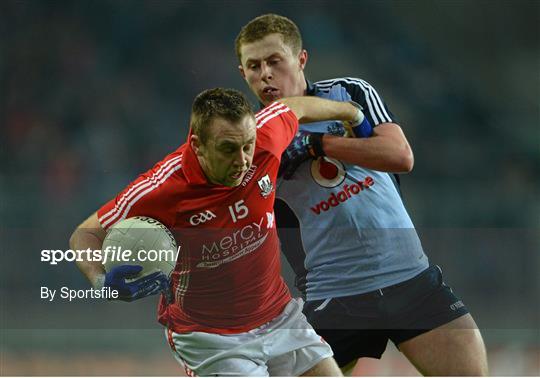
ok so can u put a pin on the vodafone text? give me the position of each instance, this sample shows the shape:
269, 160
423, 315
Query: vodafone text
348, 191
110, 253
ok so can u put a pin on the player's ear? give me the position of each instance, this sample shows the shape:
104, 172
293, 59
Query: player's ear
195, 143
302, 58
242, 73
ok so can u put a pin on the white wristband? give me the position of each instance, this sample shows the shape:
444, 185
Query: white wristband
359, 115
358, 119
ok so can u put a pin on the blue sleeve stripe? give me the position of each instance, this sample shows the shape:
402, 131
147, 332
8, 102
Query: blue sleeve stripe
376, 107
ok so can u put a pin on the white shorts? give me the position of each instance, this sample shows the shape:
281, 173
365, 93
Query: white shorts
285, 346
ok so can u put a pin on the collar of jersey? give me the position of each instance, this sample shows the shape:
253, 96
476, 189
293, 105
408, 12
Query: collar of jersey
311, 88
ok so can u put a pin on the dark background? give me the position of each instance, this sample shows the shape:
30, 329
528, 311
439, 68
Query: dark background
92, 93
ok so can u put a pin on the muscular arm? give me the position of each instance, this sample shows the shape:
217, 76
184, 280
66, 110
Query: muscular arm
89, 234
313, 109
387, 150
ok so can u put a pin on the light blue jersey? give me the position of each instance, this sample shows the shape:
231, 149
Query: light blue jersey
355, 231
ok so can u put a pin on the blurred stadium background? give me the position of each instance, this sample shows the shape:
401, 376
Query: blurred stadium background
94, 92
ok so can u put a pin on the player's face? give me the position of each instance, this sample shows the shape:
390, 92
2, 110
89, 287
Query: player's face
228, 153
272, 70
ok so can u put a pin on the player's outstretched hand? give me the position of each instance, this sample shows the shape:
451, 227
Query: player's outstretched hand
359, 127
304, 146
143, 287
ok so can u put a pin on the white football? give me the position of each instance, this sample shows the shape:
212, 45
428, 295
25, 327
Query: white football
151, 244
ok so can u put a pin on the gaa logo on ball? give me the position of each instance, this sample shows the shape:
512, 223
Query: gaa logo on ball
328, 172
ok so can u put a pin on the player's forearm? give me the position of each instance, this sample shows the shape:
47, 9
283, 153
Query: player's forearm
313, 109
387, 150
83, 239
89, 235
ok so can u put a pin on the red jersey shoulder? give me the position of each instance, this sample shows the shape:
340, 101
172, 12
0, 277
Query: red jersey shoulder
148, 195
276, 126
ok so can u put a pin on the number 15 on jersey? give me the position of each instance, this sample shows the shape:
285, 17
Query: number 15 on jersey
239, 211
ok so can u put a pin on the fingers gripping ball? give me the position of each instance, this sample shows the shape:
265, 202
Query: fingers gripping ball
151, 244
139, 254
148, 285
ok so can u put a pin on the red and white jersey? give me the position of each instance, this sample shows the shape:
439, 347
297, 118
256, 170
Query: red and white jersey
227, 277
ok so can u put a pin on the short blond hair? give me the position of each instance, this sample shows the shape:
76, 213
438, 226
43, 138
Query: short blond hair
267, 24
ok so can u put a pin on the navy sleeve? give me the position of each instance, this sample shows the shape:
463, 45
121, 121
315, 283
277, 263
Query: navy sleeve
364, 94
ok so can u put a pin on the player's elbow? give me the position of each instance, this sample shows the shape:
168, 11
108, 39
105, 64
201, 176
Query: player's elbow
89, 231
74, 239
406, 160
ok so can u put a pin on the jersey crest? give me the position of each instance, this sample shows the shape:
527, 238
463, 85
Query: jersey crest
266, 186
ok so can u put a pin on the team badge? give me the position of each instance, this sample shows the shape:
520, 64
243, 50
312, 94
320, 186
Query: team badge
335, 128
266, 186
328, 172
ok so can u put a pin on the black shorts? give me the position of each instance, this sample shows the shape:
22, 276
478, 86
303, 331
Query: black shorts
360, 325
